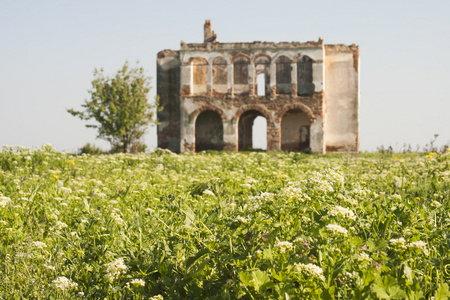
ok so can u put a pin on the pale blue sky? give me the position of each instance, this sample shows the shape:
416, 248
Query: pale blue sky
49, 50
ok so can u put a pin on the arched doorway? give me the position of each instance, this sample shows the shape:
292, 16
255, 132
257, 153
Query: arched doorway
295, 131
208, 131
250, 137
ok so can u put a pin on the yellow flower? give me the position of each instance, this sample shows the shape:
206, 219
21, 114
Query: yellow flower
56, 176
70, 162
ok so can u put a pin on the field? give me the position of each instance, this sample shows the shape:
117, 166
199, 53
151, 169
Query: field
224, 226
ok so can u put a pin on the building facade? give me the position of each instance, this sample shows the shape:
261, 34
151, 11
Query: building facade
212, 92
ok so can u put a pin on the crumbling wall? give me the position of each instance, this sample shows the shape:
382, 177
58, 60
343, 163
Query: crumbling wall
310, 99
168, 90
341, 98
239, 112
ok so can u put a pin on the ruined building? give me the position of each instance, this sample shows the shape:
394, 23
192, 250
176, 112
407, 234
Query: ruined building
212, 92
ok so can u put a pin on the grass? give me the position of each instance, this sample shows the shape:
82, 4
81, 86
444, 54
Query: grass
250, 225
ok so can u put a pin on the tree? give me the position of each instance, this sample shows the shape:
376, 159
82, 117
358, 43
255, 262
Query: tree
120, 106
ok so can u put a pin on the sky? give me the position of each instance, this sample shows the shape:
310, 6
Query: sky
49, 49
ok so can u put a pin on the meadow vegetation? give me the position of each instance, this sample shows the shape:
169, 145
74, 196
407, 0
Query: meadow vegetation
224, 225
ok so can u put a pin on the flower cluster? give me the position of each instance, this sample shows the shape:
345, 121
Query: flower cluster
208, 193
295, 192
136, 282
398, 243
38, 245
60, 225
4, 201
339, 211
115, 269
243, 219
284, 246
420, 245
310, 270
337, 230
116, 217
363, 257
64, 284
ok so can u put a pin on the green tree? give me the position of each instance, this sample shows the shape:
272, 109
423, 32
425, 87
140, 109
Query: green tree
120, 106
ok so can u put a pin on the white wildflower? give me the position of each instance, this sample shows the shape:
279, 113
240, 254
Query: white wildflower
60, 225
116, 217
420, 245
137, 282
38, 245
115, 269
63, 284
336, 229
3, 222
243, 220
4, 201
310, 269
23, 255
284, 246
435, 204
306, 219
66, 190
339, 211
396, 197
209, 193
362, 257
299, 240
267, 196
398, 243
52, 268
157, 297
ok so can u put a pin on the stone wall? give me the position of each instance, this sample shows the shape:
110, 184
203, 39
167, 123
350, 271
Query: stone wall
342, 98
310, 97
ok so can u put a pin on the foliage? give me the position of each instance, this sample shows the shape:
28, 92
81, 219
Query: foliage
120, 107
224, 225
90, 149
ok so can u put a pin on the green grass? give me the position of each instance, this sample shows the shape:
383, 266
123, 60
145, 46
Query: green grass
225, 225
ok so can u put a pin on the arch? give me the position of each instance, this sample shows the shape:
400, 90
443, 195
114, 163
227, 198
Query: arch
299, 55
197, 59
248, 107
220, 74
257, 56
305, 86
245, 129
208, 131
283, 75
295, 131
193, 116
199, 75
295, 106
236, 56
278, 55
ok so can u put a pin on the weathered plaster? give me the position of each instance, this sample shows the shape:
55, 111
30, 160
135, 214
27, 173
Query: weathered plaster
325, 109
